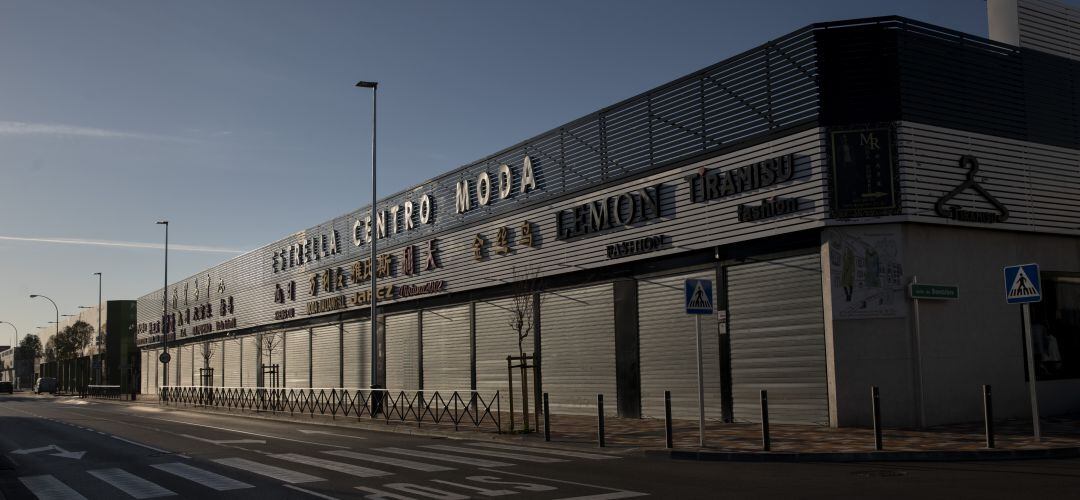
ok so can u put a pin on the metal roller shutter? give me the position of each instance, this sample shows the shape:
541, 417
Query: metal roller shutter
402, 352
297, 358
219, 363
248, 375
356, 355
159, 370
232, 363
577, 333
447, 354
668, 349
495, 340
778, 339
146, 375
187, 355
325, 352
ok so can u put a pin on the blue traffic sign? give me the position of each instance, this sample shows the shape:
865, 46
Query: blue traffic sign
699, 297
1022, 284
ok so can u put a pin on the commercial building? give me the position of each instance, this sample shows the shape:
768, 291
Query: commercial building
812, 179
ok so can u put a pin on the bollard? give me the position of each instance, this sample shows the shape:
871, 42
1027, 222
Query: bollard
667, 418
877, 416
547, 419
988, 415
766, 443
600, 419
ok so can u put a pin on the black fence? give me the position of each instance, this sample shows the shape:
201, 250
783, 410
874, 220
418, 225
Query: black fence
102, 392
436, 407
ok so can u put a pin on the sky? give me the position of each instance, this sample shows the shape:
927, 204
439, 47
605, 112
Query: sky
239, 123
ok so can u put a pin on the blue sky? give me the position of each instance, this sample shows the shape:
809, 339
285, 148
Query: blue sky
238, 122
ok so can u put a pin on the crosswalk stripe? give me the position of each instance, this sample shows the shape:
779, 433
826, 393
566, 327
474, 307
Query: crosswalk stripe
289, 476
131, 484
550, 451
350, 469
206, 478
408, 464
47, 487
498, 454
444, 457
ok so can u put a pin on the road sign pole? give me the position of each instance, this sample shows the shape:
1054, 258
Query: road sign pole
700, 384
1026, 312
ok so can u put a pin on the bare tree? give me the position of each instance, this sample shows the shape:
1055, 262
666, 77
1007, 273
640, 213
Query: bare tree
207, 352
526, 286
268, 343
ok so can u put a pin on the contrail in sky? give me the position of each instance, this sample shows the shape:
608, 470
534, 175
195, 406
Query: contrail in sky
123, 244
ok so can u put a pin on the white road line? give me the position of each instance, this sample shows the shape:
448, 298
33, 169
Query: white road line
614, 492
444, 457
131, 484
408, 464
248, 433
289, 476
497, 454
128, 441
350, 469
206, 478
47, 487
309, 492
550, 451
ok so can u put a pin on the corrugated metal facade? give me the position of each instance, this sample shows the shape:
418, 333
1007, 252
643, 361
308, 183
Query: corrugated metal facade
447, 349
668, 348
297, 355
495, 340
777, 327
356, 354
326, 356
578, 348
403, 352
1051, 27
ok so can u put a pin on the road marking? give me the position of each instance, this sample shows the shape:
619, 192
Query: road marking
350, 469
445, 457
552, 451
131, 484
204, 477
309, 492
305, 431
408, 464
225, 441
615, 493
246, 432
151, 448
61, 452
497, 454
289, 476
48, 487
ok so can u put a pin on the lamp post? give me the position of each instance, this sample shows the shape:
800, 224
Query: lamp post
14, 352
374, 86
98, 373
165, 310
57, 309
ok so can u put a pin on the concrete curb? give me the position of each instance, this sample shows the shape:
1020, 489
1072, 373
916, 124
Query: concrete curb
871, 456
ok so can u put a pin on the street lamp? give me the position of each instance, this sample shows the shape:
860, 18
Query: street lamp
165, 309
374, 86
98, 374
57, 309
14, 361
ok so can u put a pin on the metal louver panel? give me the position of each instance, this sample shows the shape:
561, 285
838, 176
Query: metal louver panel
447, 352
402, 352
325, 360
668, 349
249, 362
577, 333
231, 358
356, 355
297, 355
778, 340
495, 340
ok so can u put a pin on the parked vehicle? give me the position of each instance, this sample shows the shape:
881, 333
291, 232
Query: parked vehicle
45, 385
7, 387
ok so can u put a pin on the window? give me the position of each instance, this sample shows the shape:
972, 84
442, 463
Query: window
1055, 328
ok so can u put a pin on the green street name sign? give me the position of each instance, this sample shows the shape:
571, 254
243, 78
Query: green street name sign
934, 292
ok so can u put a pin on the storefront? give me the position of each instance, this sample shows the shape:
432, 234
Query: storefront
811, 178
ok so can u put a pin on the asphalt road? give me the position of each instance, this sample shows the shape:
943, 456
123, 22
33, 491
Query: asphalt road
70, 448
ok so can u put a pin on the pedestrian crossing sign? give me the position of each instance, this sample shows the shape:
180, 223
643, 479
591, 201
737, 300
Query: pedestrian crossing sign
699, 297
1022, 284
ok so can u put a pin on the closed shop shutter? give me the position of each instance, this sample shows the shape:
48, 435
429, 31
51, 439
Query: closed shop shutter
232, 363
577, 332
325, 351
187, 356
668, 349
249, 370
402, 352
447, 354
495, 340
159, 371
297, 358
219, 363
356, 355
778, 340
147, 378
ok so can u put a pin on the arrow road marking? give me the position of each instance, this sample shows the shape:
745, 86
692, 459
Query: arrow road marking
325, 433
61, 452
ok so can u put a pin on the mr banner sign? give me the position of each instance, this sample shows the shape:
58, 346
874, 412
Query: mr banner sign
1022, 284
699, 296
